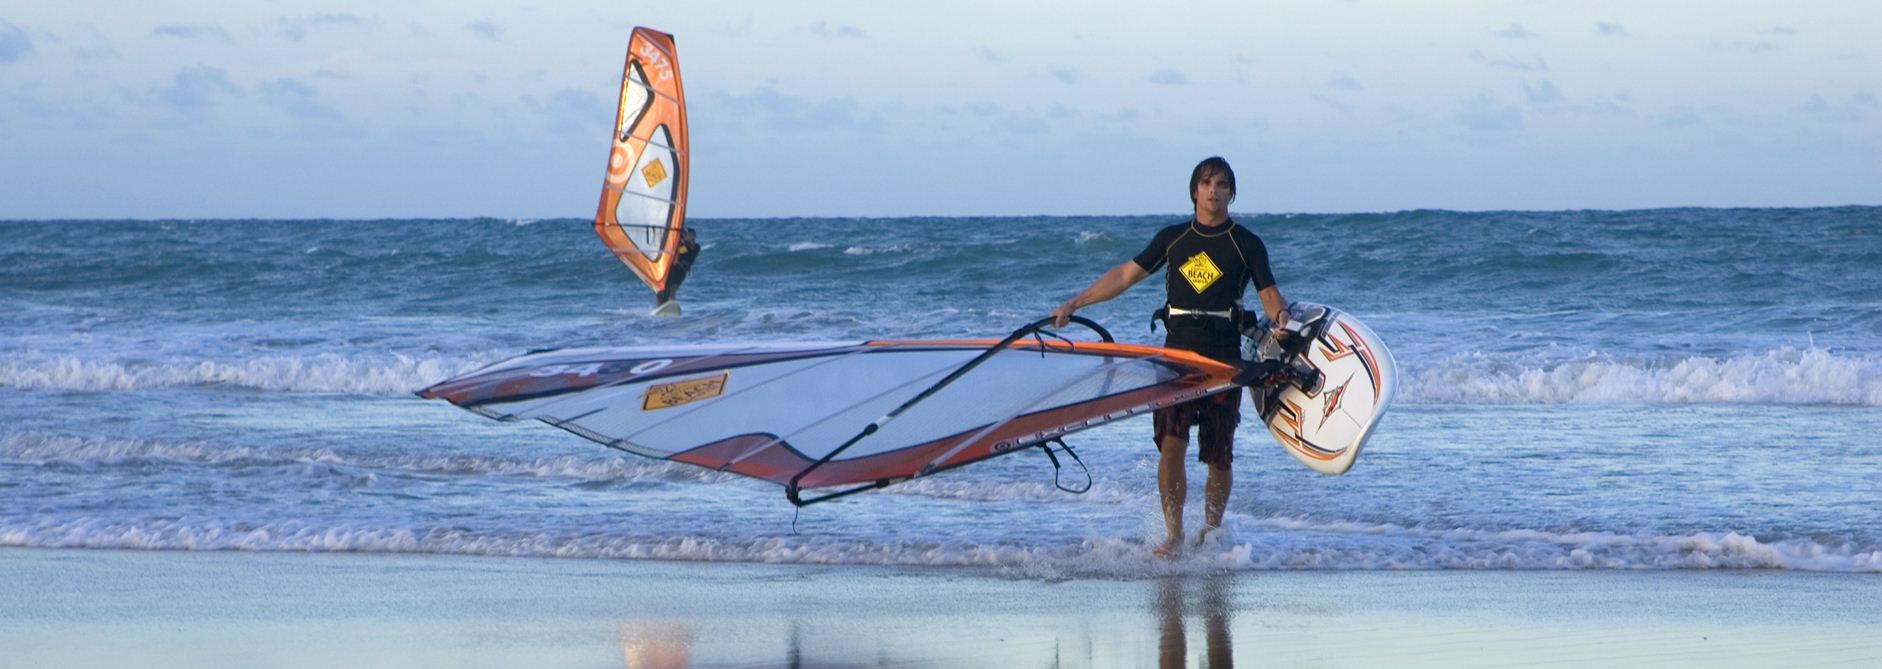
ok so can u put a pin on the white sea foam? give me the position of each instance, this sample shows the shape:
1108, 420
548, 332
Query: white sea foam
1305, 547
807, 246
593, 465
1784, 376
872, 250
1039, 489
376, 374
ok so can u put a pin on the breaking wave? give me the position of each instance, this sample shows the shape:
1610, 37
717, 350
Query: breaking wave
1783, 376
590, 465
1264, 545
381, 374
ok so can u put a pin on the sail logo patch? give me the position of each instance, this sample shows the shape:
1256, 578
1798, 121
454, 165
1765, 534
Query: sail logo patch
669, 395
654, 173
1200, 271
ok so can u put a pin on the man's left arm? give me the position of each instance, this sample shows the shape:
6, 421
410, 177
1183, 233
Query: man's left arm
1274, 305
1262, 277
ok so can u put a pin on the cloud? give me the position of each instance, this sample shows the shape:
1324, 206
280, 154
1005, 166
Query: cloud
1485, 115
1514, 31
984, 109
1778, 30
197, 87
485, 28
1026, 126
780, 111
1337, 105
14, 42
1819, 108
1345, 83
193, 32
1683, 116
95, 53
1618, 105
573, 109
1538, 65
991, 56
1545, 94
825, 30
1167, 77
1065, 75
295, 97
1746, 47
1610, 29
1401, 114
297, 29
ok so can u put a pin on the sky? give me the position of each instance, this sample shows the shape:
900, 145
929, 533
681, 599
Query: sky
834, 108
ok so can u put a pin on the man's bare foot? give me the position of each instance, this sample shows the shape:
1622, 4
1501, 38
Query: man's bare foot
1169, 550
1203, 536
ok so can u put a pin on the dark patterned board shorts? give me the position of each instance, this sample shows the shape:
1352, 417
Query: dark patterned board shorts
1215, 418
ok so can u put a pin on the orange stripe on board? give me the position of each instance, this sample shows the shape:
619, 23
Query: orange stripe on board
1372, 364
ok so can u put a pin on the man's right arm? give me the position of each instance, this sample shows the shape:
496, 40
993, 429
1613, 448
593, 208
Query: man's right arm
1112, 284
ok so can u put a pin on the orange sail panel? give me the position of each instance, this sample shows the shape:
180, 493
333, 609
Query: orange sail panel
643, 200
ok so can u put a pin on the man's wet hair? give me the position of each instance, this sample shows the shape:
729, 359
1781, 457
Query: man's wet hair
1208, 166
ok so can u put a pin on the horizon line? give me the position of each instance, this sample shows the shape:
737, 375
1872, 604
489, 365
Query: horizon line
193, 219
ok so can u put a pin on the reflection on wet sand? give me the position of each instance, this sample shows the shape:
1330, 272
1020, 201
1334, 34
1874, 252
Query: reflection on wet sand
1069, 636
668, 645
1172, 612
656, 645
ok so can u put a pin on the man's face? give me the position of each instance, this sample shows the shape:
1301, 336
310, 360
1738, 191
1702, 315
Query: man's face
1213, 193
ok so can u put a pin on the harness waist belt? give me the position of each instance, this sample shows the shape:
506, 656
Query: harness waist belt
1225, 313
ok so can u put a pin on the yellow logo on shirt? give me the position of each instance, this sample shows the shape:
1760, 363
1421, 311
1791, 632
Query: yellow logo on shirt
654, 173
1200, 271
668, 395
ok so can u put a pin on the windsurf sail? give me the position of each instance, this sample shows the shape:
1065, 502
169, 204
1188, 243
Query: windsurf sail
643, 199
853, 416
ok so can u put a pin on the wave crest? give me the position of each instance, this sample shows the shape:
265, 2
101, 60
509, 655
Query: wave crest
1783, 376
604, 466
387, 374
1299, 548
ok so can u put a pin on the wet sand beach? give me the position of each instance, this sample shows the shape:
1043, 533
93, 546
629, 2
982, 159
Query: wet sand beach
81, 608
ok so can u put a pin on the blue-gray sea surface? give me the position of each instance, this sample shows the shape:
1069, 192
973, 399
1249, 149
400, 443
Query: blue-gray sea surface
1661, 389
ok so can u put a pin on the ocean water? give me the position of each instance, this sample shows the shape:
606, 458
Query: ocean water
1661, 389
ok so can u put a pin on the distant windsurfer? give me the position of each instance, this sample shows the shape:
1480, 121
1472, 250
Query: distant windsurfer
1211, 259
687, 254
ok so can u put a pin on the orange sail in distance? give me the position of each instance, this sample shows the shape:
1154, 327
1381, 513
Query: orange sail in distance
643, 200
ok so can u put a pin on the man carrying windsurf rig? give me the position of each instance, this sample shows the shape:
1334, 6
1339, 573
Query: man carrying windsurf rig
1209, 261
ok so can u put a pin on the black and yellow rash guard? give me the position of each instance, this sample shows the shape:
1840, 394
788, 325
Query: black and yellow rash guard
1210, 268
